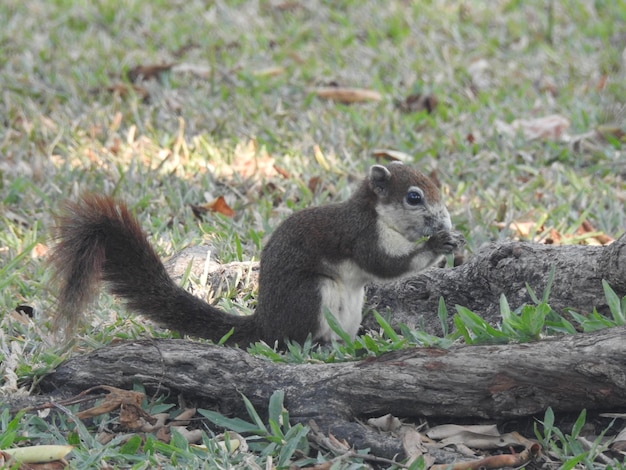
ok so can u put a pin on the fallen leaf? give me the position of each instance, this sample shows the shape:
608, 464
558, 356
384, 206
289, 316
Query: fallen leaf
314, 183
249, 162
619, 442
218, 205
288, 6
236, 442
164, 435
38, 454
132, 417
282, 172
537, 232
184, 417
445, 431
388, 423
269, 71
587, 232
347, 95
319, 157
192, 436
412, 444
551, 127
149, 72
391, 155
105, 437
113, 400
476, 440
157, 422
492, 462
478, 72
202, 71
417, 102
525, 230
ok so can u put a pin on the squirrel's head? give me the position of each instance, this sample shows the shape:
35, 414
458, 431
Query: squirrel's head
407, 203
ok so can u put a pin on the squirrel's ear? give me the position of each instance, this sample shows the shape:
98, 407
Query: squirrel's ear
379, 179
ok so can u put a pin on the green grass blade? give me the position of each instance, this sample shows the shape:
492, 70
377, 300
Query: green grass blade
615, 304
384, 324
233, 424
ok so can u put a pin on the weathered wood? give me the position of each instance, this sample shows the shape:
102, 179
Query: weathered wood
506, 268
567, 373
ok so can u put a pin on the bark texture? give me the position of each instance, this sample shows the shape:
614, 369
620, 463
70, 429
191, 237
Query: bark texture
506, 268
567, 373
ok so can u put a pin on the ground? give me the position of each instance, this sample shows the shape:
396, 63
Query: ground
517, 108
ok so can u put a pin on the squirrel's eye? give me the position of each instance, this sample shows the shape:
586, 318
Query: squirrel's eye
413, 198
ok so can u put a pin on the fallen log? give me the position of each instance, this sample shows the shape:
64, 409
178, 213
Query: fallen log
568, 373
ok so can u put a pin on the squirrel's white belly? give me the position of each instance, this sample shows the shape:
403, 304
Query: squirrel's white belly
342, 294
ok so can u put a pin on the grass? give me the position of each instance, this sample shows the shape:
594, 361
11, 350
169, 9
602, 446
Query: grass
249, 96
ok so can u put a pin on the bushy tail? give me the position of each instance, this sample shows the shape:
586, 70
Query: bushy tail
99, 239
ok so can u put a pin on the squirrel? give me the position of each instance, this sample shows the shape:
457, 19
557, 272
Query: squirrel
319, 258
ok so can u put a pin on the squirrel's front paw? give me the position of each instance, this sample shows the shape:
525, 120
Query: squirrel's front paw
446, 242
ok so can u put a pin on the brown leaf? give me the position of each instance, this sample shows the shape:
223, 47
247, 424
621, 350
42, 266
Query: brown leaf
184, 417
164, 435
587, 232
347, 95
282, 172
113, 400
287, 6
417, 102
148, 72
525, 230
131, 417
314, 183
104, 437
218, 205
